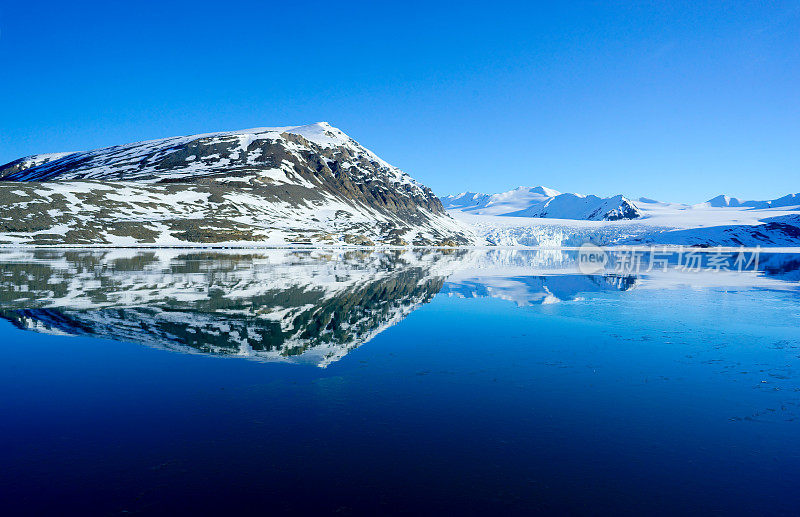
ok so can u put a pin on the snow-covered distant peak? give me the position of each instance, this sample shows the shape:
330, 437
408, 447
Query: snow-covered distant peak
723, 201
590, 208
542, 201
538, 189
466, 195
787, 200
549, 192
524, 193
513, 200
650, 201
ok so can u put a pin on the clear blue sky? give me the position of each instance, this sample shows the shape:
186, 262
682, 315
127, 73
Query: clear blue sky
673, 100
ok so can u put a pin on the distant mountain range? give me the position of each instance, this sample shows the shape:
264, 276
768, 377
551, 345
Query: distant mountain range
271, 186
542, 216
726, 201
544, 202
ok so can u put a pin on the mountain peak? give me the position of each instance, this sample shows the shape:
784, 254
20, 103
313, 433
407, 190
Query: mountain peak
545, 191
722, 201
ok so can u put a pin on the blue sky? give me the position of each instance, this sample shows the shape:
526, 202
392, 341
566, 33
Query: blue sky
672, 100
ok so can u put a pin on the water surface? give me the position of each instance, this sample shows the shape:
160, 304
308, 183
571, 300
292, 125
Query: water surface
353, 382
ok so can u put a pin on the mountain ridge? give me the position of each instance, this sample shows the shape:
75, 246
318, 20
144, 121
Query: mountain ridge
723, 201
270, 185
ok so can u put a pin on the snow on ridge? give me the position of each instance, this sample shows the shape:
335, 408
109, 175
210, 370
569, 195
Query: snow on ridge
135, 159
35, 160
312, 132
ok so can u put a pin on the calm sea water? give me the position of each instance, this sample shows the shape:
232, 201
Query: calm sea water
419, 383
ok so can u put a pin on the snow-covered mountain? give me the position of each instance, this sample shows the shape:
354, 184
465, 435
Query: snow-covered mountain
721, 201
589, 208
503, 203
572, 220
272, 185
543, 202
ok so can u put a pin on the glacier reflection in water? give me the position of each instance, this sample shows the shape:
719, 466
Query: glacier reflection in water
309, 306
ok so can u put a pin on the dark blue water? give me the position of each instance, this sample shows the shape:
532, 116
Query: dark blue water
484, 393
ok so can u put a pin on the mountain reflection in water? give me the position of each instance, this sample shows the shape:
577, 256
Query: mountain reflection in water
309, 306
